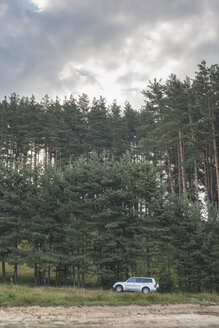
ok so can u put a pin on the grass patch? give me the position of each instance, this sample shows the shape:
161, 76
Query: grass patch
45, 296
26, 276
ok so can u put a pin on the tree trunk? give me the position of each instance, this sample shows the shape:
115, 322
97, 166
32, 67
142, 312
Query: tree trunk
40, 275
35, 156
135, 267
127, 271
44, 276
35, 275
2, 129
73, 269
182, 161
211, 179
148, 260
15, 273
179, 173
50, 155
46, 156
206, 173
56, 156
78, 276
82, 280
132, 269
56, 276
15, 264
48, 279
83, 262
117, 272
215, 149
170, 172
12, 144
195, 165
216, 160
3, 272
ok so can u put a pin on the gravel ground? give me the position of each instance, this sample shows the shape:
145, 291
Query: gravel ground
154, 316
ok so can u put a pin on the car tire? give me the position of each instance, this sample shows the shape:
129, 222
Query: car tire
145, 290
119, 289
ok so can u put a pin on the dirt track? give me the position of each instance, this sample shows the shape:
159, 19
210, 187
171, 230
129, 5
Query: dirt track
155, 316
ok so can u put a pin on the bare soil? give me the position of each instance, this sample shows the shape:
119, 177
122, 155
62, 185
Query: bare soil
154, 316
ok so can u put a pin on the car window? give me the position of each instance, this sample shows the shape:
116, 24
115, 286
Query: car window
147, 280
140, 280
131, 280
143, 280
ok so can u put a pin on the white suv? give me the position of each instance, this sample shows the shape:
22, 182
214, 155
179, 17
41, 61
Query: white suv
137, 284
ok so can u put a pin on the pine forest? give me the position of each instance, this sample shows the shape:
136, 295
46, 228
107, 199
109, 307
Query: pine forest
92, 193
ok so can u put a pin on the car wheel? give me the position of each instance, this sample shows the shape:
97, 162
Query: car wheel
145, 290
119, 289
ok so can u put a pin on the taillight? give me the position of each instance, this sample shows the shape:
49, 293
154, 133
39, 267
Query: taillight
155, 286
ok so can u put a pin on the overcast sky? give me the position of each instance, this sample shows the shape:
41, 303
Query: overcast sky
102, 47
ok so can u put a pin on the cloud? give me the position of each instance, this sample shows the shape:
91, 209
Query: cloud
105, 47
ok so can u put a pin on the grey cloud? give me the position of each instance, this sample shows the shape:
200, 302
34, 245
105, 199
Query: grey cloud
35, 46
80, 77
140, 9
132, 76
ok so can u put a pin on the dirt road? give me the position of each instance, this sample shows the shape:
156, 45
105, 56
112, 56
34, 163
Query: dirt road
155, 316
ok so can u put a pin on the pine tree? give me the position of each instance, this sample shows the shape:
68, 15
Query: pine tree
117, 131
98, 133
206, 90
131, 124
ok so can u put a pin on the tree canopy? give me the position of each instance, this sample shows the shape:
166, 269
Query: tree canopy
88, 189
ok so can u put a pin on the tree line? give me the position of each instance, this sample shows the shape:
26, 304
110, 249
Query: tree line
87, 189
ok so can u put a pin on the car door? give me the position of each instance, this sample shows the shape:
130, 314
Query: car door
147, 282
130, 284
139, 283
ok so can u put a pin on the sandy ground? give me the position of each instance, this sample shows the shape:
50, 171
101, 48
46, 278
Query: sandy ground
155, 316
